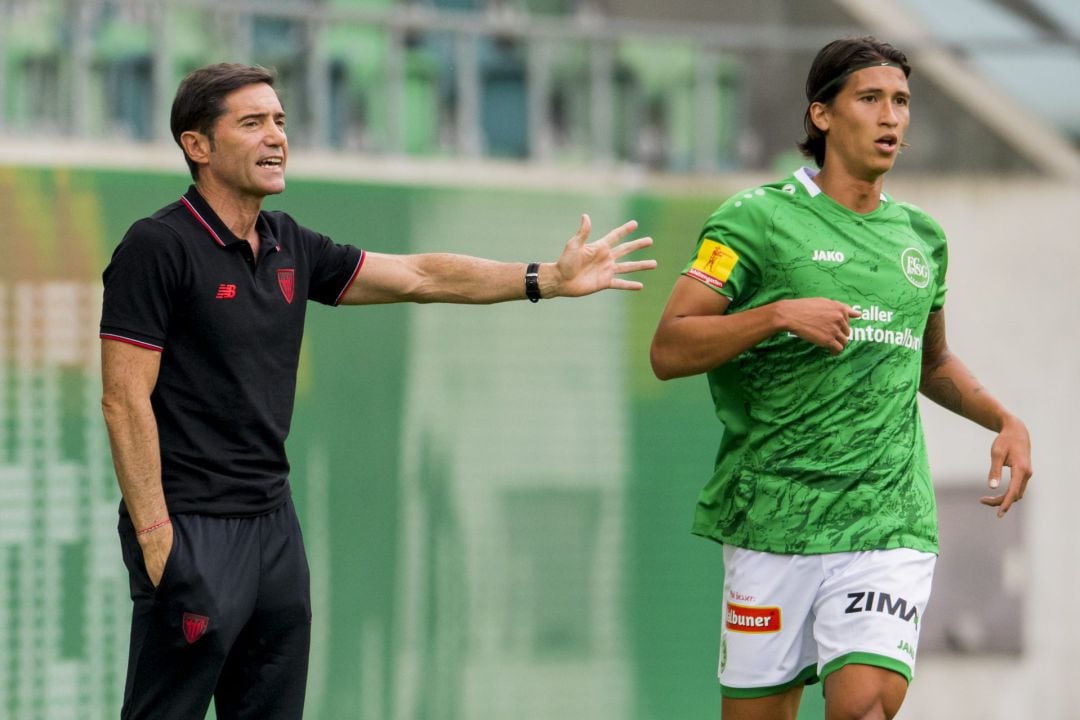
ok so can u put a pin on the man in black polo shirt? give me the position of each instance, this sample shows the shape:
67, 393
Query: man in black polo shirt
201, 325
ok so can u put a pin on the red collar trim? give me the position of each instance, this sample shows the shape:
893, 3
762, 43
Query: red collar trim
202, 221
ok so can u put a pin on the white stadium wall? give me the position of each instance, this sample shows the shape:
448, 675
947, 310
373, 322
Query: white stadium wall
1011, 310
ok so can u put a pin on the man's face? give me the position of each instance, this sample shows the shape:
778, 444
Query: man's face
866, 122
248, 150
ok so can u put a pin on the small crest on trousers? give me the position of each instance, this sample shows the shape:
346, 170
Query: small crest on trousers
194, 626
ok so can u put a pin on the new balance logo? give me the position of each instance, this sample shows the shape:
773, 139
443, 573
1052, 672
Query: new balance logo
828, 256
226, 291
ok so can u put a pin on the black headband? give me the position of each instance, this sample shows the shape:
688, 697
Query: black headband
854, 68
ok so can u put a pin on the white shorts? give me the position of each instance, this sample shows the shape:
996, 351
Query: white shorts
793, 619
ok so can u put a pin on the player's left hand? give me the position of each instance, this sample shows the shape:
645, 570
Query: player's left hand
585, 268
1012, 449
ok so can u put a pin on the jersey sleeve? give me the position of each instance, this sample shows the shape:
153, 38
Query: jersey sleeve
940, 258
725, 258
928, 229
141, 283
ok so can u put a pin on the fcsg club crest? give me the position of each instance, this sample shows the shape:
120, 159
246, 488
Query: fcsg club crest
916, 268
286, 280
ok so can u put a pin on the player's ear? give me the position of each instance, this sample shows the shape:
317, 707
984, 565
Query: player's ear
819, 116
196, 146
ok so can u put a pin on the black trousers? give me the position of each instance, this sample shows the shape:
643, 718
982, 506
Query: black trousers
230, 620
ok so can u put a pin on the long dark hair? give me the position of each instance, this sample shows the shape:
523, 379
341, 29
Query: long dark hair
829, 73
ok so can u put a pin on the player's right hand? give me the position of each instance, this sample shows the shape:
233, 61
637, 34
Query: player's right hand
823, 322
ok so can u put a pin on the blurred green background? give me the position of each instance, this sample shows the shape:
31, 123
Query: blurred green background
496, 500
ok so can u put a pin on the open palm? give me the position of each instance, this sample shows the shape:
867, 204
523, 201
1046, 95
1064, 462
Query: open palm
586, 268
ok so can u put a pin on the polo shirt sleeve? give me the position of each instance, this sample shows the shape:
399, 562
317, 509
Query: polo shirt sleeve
141, 283
334, 268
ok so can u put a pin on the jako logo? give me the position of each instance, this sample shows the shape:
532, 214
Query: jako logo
915, 267
828, 256
864, 602
743, 618
226, 291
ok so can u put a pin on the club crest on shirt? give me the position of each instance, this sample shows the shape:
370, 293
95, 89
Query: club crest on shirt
916, 268
713, 264
286, 280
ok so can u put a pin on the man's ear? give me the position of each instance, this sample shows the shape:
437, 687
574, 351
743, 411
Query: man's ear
196, 146
819, 116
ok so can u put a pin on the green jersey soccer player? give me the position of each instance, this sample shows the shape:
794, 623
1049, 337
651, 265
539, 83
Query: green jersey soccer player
816, 307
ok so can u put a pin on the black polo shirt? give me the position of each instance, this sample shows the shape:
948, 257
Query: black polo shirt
228, 327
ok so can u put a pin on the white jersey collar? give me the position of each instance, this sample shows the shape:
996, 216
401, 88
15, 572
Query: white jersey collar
805, 176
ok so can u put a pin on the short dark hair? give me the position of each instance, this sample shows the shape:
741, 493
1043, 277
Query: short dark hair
200, 99
829, 73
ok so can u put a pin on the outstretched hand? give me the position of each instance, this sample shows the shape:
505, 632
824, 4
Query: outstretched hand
585, 268
1012, 449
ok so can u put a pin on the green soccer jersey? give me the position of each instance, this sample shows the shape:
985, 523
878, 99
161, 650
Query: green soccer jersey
822, 453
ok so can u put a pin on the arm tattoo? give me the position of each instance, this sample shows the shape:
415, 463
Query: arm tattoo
935, 351
943, 391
